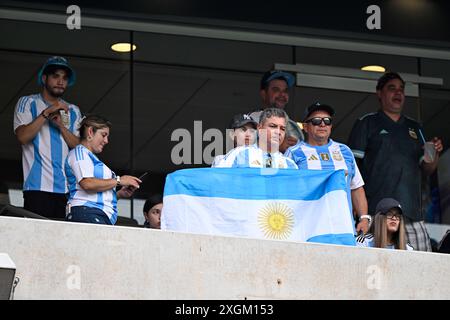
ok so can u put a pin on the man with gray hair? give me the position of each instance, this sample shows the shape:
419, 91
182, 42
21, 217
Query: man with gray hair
265, 154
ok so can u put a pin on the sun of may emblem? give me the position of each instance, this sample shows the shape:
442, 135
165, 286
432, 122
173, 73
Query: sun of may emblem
276, 220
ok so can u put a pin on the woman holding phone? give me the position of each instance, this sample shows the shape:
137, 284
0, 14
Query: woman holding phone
92, 185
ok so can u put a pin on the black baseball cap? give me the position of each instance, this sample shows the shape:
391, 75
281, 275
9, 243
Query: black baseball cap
387, 204
277, 74
316, 107
385, 78
241, 119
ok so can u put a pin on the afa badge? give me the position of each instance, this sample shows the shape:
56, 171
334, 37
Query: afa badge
337, 155
412, 133
325, 156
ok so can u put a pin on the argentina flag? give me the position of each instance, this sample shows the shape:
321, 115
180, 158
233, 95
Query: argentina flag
289, 205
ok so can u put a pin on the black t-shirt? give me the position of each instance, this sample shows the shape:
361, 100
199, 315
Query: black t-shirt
391, 153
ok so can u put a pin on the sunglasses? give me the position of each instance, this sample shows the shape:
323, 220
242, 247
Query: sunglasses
317, 121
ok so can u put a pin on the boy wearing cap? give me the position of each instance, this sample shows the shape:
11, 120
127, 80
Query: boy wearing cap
388, 230
264, 154
274, 93
243, 133
319, 152
389, 148
46, 126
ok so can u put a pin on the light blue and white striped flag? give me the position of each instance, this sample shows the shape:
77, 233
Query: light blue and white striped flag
292, 205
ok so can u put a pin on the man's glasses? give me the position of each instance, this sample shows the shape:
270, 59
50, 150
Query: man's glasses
317, 121
393, 216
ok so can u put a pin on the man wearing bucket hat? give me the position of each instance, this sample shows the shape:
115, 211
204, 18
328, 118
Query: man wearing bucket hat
47, 126
274, 93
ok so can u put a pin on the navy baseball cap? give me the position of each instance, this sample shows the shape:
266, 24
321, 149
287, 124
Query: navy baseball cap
277, 74
58, 62
316, 107
387, 204
241, 119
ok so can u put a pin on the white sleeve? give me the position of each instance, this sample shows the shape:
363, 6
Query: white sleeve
217, 160
79, 117
229, 159
357, 180
81, 165
290, 163
22, 114
362, 241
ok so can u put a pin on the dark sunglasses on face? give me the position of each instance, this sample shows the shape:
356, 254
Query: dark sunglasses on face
317, 121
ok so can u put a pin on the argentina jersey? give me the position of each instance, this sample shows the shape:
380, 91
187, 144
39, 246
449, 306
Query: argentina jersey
43, 157
254, 157
82, 163
332, 156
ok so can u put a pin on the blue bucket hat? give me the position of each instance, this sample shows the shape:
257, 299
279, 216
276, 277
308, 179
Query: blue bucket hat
277, 74
57, 61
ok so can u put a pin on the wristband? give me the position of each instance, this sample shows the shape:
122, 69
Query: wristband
118, 180
366, 216
43, 114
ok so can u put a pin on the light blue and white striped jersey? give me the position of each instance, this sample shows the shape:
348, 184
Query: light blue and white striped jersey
43, 158
217, 160
254, 157
332, 156
82, 163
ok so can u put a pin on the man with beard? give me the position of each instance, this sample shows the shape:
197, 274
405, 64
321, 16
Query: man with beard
46, 126
274, 93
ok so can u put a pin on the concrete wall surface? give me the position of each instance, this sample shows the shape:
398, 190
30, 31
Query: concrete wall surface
61, 260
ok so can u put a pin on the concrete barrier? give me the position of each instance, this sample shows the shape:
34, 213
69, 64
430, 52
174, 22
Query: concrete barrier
61, 260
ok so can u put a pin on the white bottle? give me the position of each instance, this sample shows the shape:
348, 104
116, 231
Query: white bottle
65, 118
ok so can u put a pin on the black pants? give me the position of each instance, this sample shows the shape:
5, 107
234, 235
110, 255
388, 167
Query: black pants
46, 204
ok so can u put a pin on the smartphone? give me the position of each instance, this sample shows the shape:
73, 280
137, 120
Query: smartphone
143, 175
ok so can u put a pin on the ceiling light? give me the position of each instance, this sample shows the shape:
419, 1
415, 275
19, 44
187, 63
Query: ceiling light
122, 47
373, 68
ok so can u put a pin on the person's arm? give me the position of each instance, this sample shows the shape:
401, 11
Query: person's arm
71, 139
359, 202
97, 185
26, 133
55, 119
358, 139
429, 167
125, 192
100, 185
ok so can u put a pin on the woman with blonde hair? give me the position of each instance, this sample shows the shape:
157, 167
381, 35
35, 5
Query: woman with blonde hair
92, 185
388, 228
